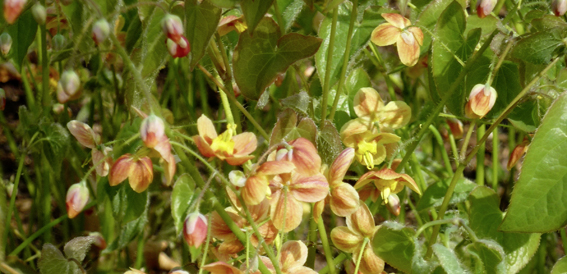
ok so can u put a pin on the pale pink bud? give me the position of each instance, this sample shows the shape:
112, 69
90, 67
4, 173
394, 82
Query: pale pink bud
481, 101
152, 130
485, 7
559, 7
195, 229
172, 27
101, 30
5, 43
394, 204
77, 198
39, 13
12, 9
83, 133
2, 99
68, 86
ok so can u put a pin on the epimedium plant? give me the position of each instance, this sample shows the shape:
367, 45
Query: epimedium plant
210, 136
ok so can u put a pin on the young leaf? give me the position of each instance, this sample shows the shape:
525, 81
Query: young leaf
258, 59
298, 102
181, 197
53, 261
433, 195
394, 243
289, 10
539, 200
485, 216
288, 129
202, 21
448, 259
23, 33
77, 248
329, 143
489, 257
254, 11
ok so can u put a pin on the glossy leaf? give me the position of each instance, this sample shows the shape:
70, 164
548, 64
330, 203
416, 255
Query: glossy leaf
128, 232
23, 33
260, 58
181, 197
254, 11
289, 127
429, 17
539, 201
539, 48
525, 116
485, 217
560, 266
448, 259
394, 243
433, 195
202, 21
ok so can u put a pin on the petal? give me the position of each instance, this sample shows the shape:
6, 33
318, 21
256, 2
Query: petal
83, 133
255, 189
285, 210
232, 246
275, 168
238, 160
396, 20
220, 230
206, 129
318, 208
102, 160
385, 35
409, 182
362, 221
163, 147
408, 49
305, 157
310, 189
340, 166
346, 239
370, 263
260, 211
344, 200
244, 143
120, 169
387, 138
221, 268
351, 130
293, 254
141, 175
269, 233
366, 102
203, 146
395, 114
169, 166
418, 34
302, 270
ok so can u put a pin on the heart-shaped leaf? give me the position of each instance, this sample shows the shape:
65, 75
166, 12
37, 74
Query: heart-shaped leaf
202, 21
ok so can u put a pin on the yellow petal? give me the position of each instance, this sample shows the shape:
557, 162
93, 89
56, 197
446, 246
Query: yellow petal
370, 263
255, 190
340, 166
385, 35
367, 102
418, 34
346, 239
141, 175
395, 114
206, 129
396, 20
344, 200
293, 254
310, 189
244, 143
362, 221
408, 49
286, 211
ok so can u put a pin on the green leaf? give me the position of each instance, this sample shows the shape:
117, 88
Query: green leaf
3, 216
77, 15
202, 21
355, 81
487, 24
53, 261
489, 257
289, 9
525, 116
128, 232
23, 33
181, 197
560, 266
450, 44
429, 16
485, 217
298, 102
448, 259
56, 146
133, 34
260, 58
433, 195
539, 201
360, 37
394, 243
106, 6
128, 204
548, 22
253, 11
288, 128
227, 4
539, 47
154, 50
329, 143
77, 248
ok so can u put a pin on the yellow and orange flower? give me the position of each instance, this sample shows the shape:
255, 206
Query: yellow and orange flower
399, 31
383, 182
235, 149
369, 106
138, 171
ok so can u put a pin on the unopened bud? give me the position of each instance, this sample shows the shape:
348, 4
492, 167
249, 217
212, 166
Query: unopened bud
178, 50
559, 7
101, 30
237, 178
517, 153
58, 42
152, 130
481, 101
485, 7
12, 9
68, 86
98, 240
195, 229
2, 99
394, 204
456, 127
39, 13
172, 27
77, 198
5, 43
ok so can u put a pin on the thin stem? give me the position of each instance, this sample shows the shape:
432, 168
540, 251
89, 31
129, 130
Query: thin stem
443, 151
326, 247
563, 239
480, 156
342, 76
312, 237
46, 99
337, 261
466, 142
327, 80
495, 163
13, 198
208, 241
360, 255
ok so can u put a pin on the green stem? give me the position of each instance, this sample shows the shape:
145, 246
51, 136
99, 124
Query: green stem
495, 163
312, 251
360, 255
342, 76
337, 261
327, 80
326, 247
443, 151
206, 251
467, 140
140, 250
480, 155
563, 239
46, 99
13, 198
281, 22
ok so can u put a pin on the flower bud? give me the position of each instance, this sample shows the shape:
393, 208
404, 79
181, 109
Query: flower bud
68, 86
2, 99
102, 160
83, 133
559, 7
485, 7
12, 9
39, 13
58, 42
5, 43
481, 101
77, 198
178, 50
101, 30
456, 127
517, 153
237, 178
394, 204
195, 229
172, 27
152, 130
99, 240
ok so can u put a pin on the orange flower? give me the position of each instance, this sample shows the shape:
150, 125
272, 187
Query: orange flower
88, 138
398, 31
481, 101
293, 257
369, 106
139, 172
256, 186
360, 228
386, 182
235, 149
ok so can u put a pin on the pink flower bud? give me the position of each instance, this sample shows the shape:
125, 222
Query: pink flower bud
559, 7
77, 198
393, 204
98, 240
178, 271
152, 130
2, 99
172, 27
102, 160
195, 229
481, 101
5, 43
456, 127
83, 133
485, 7
12, 9
517, 153
101, 30
39, 13
178, 50
68, 86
